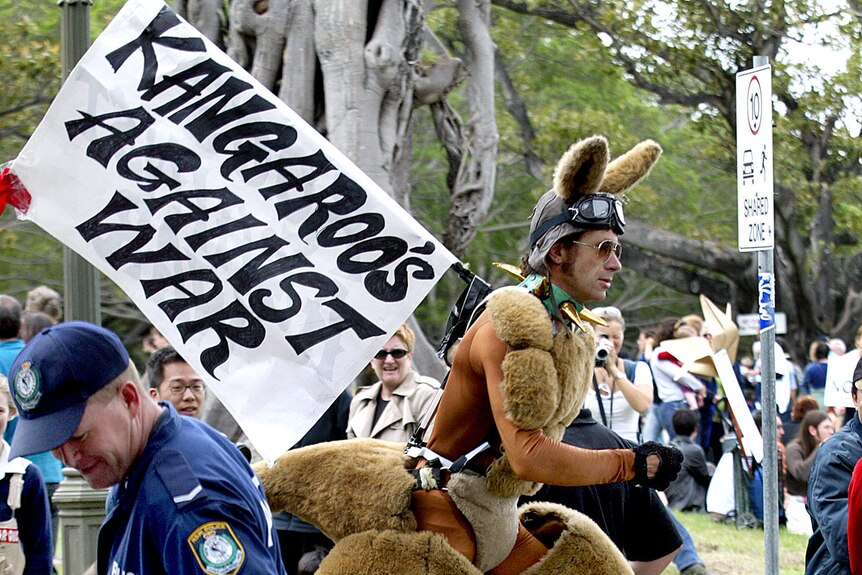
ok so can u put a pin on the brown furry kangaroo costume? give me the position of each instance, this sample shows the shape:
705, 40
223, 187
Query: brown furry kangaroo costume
518, 379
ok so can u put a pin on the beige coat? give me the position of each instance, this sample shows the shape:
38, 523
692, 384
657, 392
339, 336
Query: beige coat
402, 415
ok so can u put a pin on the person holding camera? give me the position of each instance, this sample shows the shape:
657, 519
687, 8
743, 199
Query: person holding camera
622, 389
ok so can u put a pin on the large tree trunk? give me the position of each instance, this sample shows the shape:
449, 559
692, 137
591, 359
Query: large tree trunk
353, 69
474, 183
206, 15
722, 274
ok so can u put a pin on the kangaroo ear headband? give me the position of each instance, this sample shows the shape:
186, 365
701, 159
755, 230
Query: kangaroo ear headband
587, 193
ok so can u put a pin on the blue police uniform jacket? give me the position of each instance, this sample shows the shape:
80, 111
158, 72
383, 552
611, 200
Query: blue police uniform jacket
827, 500
189, 504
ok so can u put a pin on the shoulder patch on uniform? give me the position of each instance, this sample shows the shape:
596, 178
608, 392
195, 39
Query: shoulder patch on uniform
176, 474
217, 549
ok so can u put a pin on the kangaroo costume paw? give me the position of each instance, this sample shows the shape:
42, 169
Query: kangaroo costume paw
395, 553
577, 545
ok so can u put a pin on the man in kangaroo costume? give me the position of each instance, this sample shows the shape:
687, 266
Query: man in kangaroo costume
519, 377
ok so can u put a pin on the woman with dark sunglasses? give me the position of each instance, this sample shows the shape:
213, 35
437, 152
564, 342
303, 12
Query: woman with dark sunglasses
392, 408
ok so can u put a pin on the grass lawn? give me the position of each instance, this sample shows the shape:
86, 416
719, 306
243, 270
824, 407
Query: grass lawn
724, 549
727, 550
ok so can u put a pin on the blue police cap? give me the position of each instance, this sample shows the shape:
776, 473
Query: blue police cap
52, 378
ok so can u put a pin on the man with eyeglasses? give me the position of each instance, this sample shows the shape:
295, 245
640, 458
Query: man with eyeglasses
172, 379
520, 375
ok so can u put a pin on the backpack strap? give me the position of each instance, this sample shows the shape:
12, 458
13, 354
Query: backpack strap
16, 468
630, 366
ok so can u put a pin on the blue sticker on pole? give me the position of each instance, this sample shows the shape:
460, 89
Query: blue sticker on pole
766, 303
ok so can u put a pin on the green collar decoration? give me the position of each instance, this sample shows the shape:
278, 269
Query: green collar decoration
537, 284
571, 309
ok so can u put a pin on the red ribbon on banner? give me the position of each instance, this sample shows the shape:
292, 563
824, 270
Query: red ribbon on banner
13, 192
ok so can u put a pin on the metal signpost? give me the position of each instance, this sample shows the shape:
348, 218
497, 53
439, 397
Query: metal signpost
80, 279
80, 515
757, 233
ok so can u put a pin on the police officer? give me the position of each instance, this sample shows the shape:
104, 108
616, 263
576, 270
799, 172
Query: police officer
183, 498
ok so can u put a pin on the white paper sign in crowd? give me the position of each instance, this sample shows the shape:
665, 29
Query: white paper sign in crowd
839, 379
752, 441
271, 261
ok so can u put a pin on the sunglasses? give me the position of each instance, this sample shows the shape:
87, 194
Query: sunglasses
593, 211
605, 248
396, 353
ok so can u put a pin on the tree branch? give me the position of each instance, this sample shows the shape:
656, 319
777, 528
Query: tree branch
516, 107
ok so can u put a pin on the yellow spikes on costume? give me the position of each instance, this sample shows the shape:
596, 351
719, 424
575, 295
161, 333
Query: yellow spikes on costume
513, 271
590, 316
568, 309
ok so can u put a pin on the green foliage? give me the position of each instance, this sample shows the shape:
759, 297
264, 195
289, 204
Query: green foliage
29, 65
28, 257
572, 88
31, 72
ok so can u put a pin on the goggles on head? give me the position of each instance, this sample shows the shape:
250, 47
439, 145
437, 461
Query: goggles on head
594, 211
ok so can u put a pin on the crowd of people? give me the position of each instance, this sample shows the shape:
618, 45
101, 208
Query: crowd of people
629, 439
625, 392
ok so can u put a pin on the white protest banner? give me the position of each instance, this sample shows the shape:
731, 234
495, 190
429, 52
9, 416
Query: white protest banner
273, 264
839, 379
752, 442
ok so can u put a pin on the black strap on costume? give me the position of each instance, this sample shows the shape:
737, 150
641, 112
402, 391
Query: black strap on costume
431, 476
462, 312
465, 310
561, 218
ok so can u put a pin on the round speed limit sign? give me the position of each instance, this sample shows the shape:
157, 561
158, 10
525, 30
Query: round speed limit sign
754, 106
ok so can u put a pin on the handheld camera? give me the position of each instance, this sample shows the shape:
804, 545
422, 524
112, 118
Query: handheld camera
603, 351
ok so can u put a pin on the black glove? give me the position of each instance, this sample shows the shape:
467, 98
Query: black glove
671, 462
